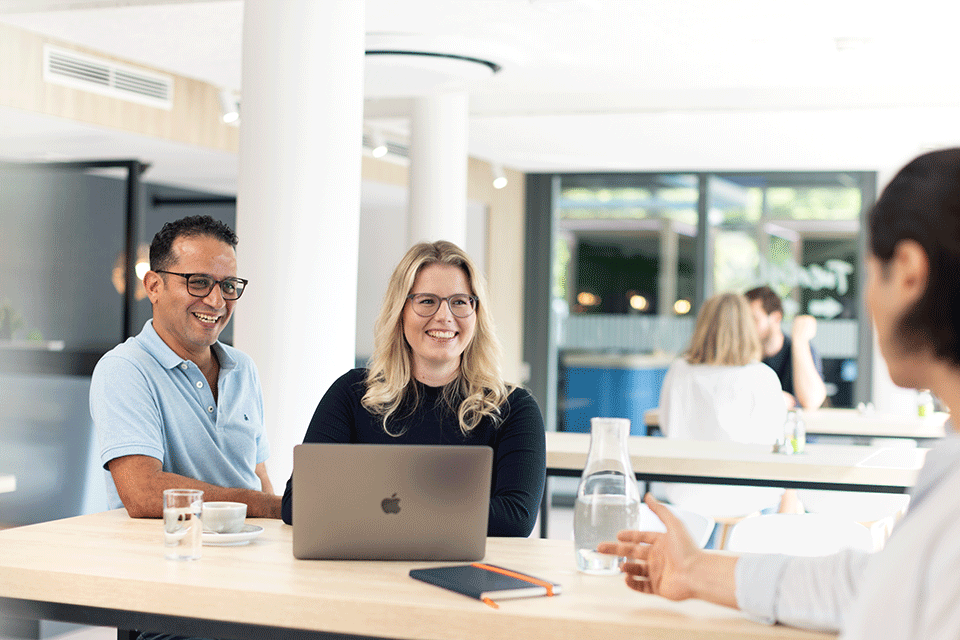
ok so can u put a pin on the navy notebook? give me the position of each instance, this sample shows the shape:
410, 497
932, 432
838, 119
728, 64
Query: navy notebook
486, 582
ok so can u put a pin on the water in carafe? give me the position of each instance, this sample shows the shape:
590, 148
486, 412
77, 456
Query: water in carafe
608, 500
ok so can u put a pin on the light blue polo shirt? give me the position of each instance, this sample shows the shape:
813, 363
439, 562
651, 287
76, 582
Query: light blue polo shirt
147, 400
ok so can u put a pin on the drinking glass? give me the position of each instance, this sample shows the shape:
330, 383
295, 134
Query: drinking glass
182, 526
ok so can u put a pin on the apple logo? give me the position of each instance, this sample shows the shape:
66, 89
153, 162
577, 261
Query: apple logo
391, 504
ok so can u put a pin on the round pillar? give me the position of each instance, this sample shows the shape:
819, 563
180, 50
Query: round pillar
438, 168
298, 205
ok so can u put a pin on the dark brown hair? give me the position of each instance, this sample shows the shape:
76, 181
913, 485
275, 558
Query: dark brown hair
768, 298
922, 203
191, 226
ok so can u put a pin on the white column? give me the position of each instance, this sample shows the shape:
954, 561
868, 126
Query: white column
438, 168
298, 214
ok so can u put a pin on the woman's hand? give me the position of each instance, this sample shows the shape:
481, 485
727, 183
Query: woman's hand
658, 563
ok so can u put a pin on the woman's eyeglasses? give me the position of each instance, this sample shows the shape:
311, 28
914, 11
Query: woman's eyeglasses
426, 304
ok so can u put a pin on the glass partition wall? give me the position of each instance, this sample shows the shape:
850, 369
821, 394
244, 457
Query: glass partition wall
632, 256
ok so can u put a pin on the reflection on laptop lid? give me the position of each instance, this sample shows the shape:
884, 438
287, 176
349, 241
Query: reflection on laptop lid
390, 502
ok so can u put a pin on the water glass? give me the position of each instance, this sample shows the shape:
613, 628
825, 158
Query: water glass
182, 525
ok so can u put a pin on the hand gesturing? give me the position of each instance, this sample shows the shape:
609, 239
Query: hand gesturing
657, 563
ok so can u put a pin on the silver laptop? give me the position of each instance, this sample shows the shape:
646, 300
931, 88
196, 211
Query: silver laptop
390, 502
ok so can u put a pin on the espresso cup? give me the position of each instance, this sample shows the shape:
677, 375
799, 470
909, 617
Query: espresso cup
223, 517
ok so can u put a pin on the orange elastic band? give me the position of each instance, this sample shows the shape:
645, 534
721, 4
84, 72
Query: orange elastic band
514, 574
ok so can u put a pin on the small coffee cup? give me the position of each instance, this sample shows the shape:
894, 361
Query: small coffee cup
223, 517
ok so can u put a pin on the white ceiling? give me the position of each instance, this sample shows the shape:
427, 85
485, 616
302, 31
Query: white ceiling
585, 84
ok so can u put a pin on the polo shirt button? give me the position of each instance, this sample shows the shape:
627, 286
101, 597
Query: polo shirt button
184, 366
199, 385
210, 409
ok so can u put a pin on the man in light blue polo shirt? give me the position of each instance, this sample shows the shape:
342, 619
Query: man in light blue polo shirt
174, 407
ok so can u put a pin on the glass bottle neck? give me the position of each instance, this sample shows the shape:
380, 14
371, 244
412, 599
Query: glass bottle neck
609, 449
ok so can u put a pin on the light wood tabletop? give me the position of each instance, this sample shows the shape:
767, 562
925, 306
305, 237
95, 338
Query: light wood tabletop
835, 467
109, 569
7, 483
821, 466
855, 423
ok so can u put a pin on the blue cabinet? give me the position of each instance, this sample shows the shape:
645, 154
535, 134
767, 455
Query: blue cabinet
611, 387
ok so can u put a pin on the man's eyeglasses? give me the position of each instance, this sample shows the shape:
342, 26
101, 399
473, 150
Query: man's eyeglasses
426, 304
200, 284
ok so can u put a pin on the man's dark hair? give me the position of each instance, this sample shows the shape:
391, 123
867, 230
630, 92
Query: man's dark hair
191, 226
768, 298
922, 203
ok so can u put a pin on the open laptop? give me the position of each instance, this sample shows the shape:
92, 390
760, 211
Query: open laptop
390, 502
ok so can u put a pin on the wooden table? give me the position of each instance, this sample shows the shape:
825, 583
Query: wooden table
857, 424
107, 569
7, 483
821, 466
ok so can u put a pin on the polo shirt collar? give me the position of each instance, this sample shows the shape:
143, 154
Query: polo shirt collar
167, 357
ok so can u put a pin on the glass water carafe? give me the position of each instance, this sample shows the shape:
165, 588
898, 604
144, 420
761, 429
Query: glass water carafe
608, 500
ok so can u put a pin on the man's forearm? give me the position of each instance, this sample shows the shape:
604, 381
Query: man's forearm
808, 386
143, 498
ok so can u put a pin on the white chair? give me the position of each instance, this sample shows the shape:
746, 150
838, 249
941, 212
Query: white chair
698, 525
879, 512
799, 534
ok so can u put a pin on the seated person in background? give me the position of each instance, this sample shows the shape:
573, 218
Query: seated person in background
795, 361
434, 378
719, 390
173, 407
911, 588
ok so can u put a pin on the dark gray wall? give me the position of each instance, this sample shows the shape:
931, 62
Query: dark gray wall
62, 233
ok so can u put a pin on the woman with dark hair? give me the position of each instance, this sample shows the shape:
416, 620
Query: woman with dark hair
434, 378
910, 589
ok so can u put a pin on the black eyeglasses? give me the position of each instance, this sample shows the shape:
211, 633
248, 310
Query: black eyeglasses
426, 304
200, 284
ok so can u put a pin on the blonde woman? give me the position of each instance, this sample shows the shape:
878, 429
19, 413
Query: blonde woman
434, 378
719, 390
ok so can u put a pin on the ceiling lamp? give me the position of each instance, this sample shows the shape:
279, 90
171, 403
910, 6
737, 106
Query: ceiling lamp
378, 145
499, 177
229, 106
639, 302
587, 299
142, 265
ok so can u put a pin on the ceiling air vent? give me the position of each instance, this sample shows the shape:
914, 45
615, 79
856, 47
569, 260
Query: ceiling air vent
78, 71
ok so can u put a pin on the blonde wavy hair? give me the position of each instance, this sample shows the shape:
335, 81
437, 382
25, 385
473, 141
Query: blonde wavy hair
725, 333
479, 390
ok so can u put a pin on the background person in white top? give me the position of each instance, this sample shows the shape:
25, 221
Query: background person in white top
719, 390
910, 589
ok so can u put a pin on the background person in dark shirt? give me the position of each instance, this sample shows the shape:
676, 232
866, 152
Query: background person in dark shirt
793, 358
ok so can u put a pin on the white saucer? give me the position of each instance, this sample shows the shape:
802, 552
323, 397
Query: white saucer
244, 536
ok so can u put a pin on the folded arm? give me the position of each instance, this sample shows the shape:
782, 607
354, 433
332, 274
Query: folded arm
808, 385
141, 480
